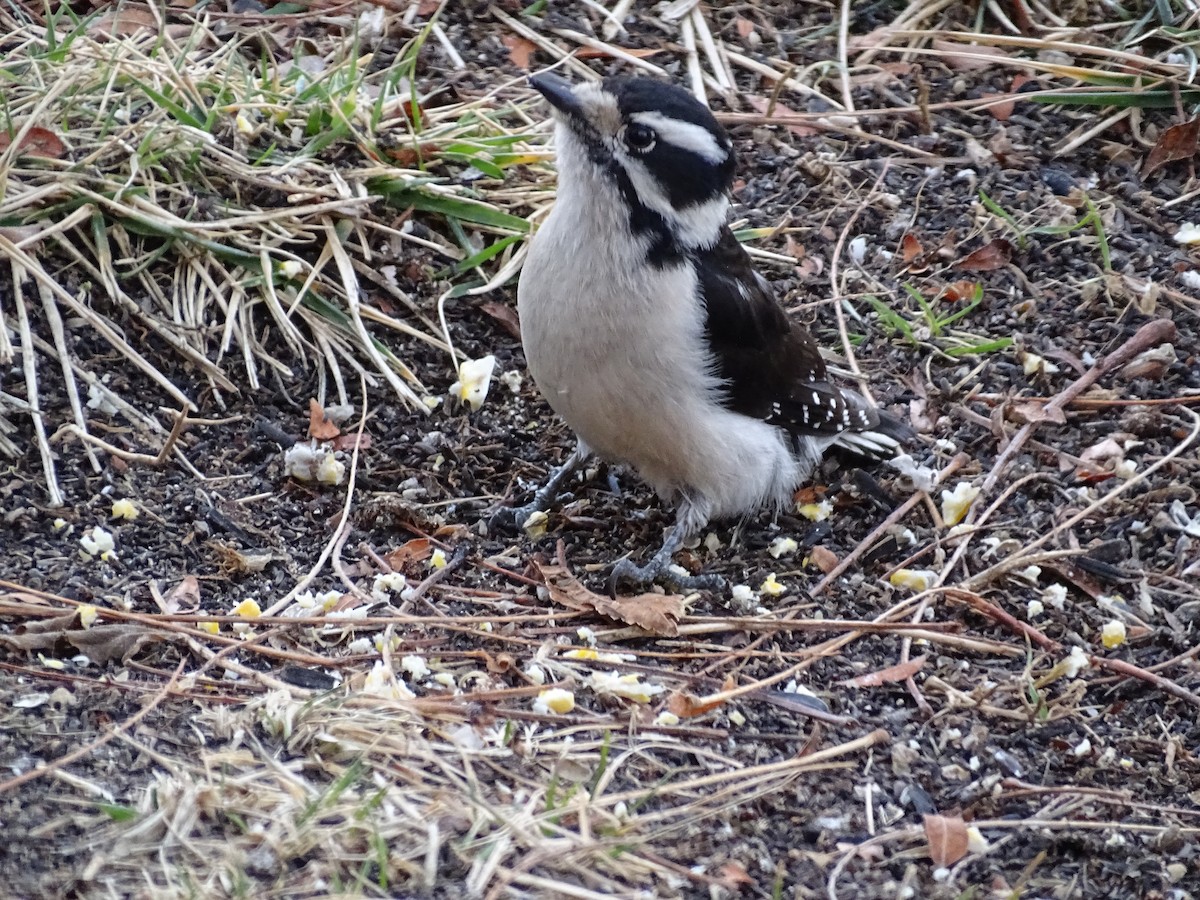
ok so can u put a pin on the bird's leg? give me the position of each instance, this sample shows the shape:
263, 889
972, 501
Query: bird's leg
513, 517
659, 569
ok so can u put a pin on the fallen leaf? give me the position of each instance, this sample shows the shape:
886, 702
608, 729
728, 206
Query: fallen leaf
504, 315
744, 26
947, 836
184, 597
880, 37
734, 875
891, 674
416, 550
960, 290
823, 558
349, 442
991, 256
1176, 143
319, 426
455, 531
688, 706
810, 494
123, 22
427, 8
1002, 110
520, 50
409, 156
100, 643
1033, 411
35, 142
414, 112
780, 115
968, 57
656, 613
232, 560
910, 248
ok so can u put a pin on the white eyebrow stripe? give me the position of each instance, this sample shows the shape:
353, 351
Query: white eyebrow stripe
685, 135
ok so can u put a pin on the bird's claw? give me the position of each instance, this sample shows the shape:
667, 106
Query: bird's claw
511, 519
660, 571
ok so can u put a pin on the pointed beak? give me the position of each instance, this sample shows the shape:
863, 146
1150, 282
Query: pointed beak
559, 92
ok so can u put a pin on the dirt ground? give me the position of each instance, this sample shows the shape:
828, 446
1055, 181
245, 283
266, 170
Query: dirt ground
1083, 783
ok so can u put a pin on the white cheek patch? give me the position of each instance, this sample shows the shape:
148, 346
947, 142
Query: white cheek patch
685, 136
698, 225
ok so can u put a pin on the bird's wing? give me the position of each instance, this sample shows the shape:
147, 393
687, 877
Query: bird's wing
771, 366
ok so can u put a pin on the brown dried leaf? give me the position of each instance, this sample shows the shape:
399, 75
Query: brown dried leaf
520, 50
966, 57
688, 706
409, 156
1176, 143
823, 558
898, 672
947, 836
1032, 411
657, 613
991, 256
811, 494
35, 142
800, 127
416, 550
960, 290
123, 22
184, 597
100, 643
349, 442
880, 37
910, 248
733, 875
504, 315
1003, 110
319, 425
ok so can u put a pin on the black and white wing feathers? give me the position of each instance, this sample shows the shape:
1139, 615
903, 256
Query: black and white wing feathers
771, 366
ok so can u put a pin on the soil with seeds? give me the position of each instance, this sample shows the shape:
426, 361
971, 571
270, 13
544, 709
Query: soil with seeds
1083, 783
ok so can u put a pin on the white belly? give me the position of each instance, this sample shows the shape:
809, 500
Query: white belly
622, 361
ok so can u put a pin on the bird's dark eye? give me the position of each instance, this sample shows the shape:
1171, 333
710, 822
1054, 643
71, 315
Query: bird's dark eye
640, 137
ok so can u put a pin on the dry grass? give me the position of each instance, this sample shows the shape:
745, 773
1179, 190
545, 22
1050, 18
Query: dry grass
244, 214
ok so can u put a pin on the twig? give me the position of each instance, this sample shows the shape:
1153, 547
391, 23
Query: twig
343, 521
834, 278
899, 513
88, 749
1132, 671
843, 56
29, 367
1149, 335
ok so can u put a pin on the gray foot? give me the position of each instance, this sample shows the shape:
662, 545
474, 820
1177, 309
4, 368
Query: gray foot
659, 571
513, 518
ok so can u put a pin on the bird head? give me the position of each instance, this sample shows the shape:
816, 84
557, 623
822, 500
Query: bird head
651, 143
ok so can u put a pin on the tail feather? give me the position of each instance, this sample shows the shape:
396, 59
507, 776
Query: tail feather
884, 440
